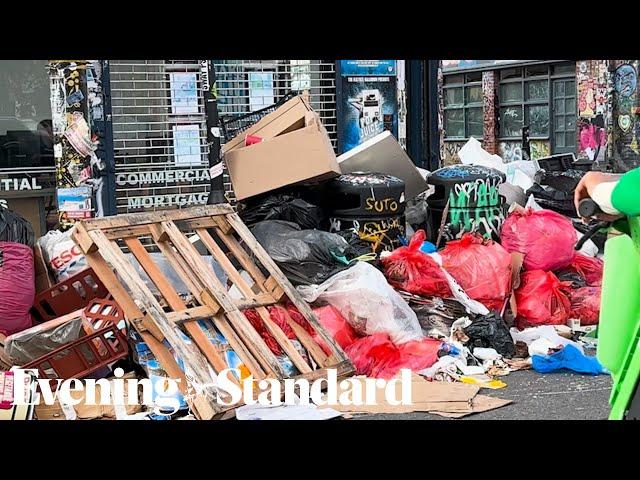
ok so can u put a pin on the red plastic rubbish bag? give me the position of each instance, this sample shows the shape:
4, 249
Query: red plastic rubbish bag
589, 268
413, 271
481, 267
585, 304
546, 238
332, 321
540, 300
17, 287
257, 323
376, 356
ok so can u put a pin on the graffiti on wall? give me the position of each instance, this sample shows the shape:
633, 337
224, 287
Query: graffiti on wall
443, 156
488, 111
539, 149
510, 151
593, 80
450, 155
592, 137
626, 129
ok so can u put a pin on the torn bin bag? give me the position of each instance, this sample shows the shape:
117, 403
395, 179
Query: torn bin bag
540, 300
585, 304
304, 256
590, 268
376, 356
481, 267
284, 207
368, 302
545, 238
490, 331
17, 287
413, 271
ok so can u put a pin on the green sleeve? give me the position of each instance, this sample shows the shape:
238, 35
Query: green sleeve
626, 196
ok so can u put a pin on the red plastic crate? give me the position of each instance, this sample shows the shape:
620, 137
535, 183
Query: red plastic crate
102, 345
68, 296
83, 356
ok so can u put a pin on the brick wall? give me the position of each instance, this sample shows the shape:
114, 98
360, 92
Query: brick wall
490, 134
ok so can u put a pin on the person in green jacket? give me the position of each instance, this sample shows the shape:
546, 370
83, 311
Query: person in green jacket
617, 195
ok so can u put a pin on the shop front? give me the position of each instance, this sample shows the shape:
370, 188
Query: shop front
27, 167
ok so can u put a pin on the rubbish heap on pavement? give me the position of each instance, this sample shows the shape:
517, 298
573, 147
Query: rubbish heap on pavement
462, 275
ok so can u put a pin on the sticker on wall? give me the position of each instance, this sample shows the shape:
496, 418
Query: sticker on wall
624, 121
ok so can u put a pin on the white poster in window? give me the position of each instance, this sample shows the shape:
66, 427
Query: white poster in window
186, 144
260, 90
184, 93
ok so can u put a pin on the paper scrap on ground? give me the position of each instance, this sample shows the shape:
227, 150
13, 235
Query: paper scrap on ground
480, 403
285, 412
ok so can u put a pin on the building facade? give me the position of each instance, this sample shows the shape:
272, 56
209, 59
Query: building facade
587, 108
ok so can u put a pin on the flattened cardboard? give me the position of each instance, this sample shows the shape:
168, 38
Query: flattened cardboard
383, 154
425, 396
480, 403
303, 155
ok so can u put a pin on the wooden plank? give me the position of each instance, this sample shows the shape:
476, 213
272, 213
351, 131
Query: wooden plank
126, 232
194, 313
132, 219
207, 276
289, 289
82, 238
262, 300
343, 369
198, 364
283, 341
242, 256
217, 253
271, 286
195, 223
169, 364
176, 303
306, 339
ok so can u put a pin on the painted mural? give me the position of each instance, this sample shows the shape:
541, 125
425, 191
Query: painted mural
593, 81
626, 128
539, 149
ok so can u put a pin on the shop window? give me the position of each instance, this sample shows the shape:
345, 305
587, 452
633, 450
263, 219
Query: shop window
524, 100
26, 138
463, 106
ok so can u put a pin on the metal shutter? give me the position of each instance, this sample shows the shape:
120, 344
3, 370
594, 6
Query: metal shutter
144, 118
237, 95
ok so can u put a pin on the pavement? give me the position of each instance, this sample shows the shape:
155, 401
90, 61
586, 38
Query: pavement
551, 396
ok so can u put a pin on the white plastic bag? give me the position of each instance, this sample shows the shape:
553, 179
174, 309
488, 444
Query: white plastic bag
63, 257
529, 335
368, 302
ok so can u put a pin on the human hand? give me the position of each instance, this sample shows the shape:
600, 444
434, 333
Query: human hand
585, 189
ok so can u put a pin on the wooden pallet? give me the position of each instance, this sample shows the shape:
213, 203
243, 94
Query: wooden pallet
218, 227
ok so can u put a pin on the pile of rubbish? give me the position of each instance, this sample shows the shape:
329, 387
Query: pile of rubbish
457, 275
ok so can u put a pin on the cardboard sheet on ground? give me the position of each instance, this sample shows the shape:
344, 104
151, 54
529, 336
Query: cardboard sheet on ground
433, 397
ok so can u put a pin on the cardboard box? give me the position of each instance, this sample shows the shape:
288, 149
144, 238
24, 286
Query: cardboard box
82, 411
383, 154
301, 153
290, 116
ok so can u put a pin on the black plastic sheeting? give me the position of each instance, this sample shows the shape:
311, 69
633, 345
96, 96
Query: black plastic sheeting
304, 256
15, 229
490, 331
284, 207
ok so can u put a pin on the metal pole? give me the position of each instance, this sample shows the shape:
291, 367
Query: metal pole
208, 77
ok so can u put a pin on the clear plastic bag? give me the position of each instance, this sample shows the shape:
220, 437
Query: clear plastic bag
368, 302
